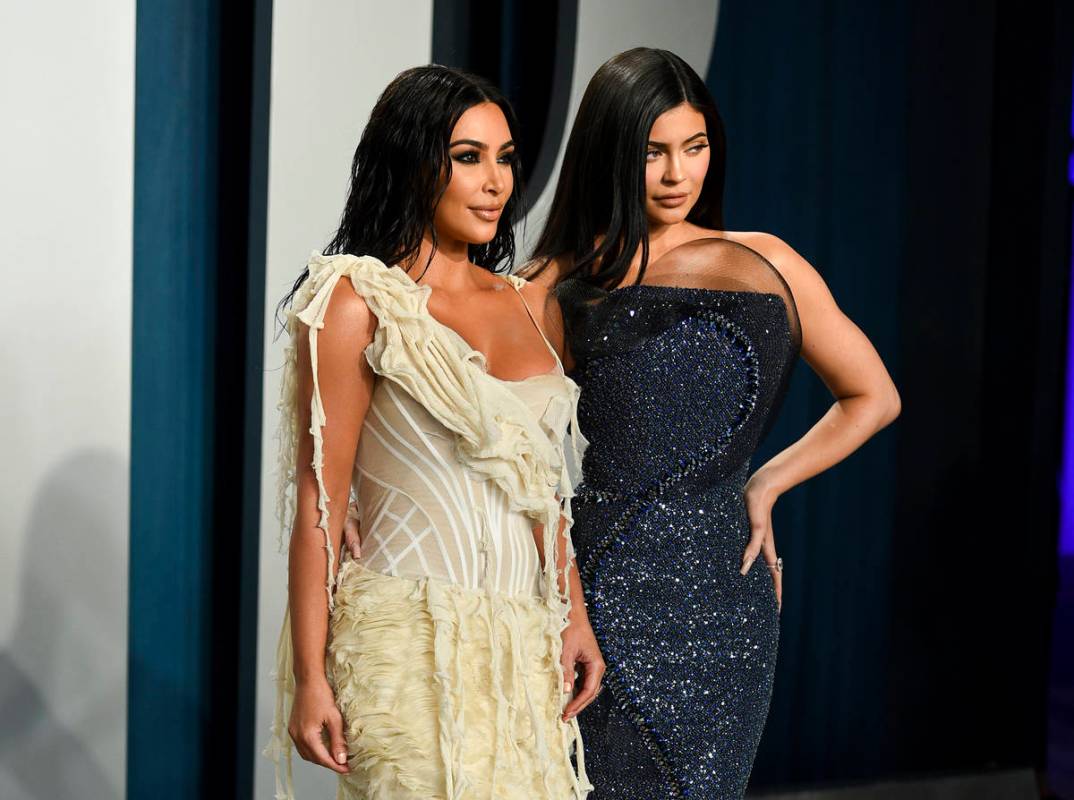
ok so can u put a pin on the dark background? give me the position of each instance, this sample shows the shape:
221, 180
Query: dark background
916, 154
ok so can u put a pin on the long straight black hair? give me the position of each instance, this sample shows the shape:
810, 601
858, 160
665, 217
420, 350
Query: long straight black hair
401, 168
597, 220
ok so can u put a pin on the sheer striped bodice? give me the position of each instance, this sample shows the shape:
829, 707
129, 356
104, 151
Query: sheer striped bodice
424, 514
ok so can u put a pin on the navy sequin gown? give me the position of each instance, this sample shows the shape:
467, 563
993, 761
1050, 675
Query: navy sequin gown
680, 378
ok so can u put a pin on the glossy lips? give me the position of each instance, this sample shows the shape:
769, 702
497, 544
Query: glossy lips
672, 200
487, 213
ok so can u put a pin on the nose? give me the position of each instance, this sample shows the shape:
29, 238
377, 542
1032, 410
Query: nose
673, 172
494, 178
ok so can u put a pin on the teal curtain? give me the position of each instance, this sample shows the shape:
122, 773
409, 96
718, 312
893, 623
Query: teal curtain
201, 116
812, 95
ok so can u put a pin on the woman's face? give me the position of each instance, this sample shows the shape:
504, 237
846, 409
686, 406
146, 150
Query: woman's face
481, 151
676, 161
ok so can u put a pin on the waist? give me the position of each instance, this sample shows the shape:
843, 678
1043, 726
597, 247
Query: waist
500, 561
355, 572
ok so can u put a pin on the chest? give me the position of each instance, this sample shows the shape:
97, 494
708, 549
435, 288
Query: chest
496, 324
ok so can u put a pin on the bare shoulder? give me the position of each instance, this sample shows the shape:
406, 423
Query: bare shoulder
348, 318
542, 272
799, 274
780, 254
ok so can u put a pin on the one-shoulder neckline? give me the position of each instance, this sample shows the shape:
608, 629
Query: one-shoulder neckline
705, 289
689, 242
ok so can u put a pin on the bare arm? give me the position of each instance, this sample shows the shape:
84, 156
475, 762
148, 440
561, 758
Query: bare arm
346, 386
580, 650
866, 399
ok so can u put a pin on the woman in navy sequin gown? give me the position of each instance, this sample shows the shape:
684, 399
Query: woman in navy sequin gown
683, 337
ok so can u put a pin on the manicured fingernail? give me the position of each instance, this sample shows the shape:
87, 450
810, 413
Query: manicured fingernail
566, 686
341, 758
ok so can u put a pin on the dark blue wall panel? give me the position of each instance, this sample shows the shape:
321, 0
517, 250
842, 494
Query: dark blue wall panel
175, 218
201, 116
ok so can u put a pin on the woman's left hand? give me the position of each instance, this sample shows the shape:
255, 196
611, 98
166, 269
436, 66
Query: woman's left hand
580, 651
759, 502
352, 531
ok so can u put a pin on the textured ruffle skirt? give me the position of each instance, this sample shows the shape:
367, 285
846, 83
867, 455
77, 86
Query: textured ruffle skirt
448, 693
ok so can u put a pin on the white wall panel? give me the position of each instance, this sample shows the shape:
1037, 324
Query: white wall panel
66, 157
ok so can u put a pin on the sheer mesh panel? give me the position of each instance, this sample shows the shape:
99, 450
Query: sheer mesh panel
711, 264
723, 265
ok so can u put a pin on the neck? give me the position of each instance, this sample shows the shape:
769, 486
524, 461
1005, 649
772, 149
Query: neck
449, 268
663, 237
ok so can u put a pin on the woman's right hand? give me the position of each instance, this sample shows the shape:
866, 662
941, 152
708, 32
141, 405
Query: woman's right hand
759, 499
314, 711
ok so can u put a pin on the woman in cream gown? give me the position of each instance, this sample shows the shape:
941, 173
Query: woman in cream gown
441, 663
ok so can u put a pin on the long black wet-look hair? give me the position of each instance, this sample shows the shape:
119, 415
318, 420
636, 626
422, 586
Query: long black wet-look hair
597, 219
401, 168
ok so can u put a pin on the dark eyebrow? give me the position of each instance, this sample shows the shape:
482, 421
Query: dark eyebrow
481, 145
663, 145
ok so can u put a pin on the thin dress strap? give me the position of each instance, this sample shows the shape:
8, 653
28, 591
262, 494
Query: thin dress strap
517, 283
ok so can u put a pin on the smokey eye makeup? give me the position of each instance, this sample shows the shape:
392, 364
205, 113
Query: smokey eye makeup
466, 157
474, 157
472, 154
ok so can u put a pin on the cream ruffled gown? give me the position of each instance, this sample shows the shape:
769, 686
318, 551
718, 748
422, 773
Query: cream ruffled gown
444, 645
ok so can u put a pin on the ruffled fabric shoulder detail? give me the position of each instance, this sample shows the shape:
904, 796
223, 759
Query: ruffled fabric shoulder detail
378, 287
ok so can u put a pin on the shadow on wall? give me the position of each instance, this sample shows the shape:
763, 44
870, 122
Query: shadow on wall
63, 672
